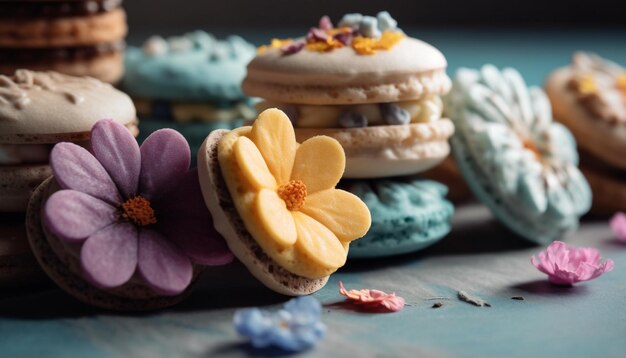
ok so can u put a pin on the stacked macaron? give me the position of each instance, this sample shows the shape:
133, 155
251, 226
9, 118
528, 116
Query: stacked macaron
589, 97
38, 109
375, 90
76, 37
190, 83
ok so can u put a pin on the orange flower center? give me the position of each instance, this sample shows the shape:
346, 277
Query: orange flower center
293, 193
530, 145
139, 211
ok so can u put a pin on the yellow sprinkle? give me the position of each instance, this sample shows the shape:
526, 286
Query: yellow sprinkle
621, 82
587, 85
368, 46
322, 46
276, 43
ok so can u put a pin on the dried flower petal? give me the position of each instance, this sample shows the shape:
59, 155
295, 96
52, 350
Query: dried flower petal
325, 23
618, 225
373, 299
292, 48
566, 265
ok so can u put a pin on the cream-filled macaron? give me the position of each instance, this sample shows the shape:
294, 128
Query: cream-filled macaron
39, 109
589, 97
364, 83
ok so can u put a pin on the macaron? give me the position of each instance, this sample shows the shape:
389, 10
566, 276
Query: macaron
408, 215
275, 203
376, 91
120, 226
37, 110
18, 266
366, 84
514, 157
76, 37
589, 97
189, 82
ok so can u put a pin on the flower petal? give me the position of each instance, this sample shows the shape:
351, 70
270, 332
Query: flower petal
273, 134
340, 211
162, 264
165, 159
73, 216
77, 169
118, 152
109, 256
275, 218
320, 163
253, 165
318, 243
198, 239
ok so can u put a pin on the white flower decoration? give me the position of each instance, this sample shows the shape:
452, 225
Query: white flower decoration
516, 159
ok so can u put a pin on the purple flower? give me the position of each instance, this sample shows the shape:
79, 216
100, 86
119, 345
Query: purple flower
325, 23
134, 212
316, 34
566, 265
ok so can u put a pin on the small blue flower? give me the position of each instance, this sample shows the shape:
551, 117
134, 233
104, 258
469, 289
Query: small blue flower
294, 328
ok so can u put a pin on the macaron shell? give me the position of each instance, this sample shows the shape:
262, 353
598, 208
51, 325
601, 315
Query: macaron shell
542, 230
392, 150
41, 105
18, 266
408, 71
230, 225
62, 267
609, 192
407, 215
17, 182
188, 75
605, 140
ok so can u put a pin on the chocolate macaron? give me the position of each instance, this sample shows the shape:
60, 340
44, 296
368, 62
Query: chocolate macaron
77, 37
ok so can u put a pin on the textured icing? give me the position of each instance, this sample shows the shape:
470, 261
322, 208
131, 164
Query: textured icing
193, 67
600, 86
508, 142
49, 102
407, 215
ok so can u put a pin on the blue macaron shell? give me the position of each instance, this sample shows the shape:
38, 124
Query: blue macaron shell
516, 160
194, 67
408, 214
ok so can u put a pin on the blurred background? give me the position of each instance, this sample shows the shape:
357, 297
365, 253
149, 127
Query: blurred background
426, 13
533, 36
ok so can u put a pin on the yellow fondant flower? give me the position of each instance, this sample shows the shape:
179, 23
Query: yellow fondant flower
285, 194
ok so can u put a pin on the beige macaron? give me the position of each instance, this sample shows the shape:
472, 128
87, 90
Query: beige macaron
230, 225
317, 89
39, 109
589, 97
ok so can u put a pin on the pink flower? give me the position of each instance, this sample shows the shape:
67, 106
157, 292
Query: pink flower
373, 298
135, 213
618, 225
566, 265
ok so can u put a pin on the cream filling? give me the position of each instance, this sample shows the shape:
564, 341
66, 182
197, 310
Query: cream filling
185, 112
425, 110
13, 154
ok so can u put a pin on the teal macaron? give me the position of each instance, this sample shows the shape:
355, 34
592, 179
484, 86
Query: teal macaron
408, 214
192, 67
514, 158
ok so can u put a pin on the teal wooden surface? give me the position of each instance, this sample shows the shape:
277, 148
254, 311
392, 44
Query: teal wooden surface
479, 256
